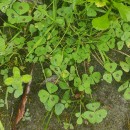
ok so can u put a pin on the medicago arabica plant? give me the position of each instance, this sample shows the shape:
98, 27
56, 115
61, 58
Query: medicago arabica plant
65, 37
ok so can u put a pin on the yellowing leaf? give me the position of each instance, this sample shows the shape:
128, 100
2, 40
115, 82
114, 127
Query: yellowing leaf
100, 4
26, 78
8, 81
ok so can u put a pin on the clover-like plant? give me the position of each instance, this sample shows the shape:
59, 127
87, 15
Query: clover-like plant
48, 98
58, 65
15, 15
57, 36
94, 114
15, 82
112, 72
87, 81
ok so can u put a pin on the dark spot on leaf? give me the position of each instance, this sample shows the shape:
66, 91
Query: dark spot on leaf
12, 15
100, 115
117, 75
90, 116
62, 12
110, 66
52, 99
56, 69
20, 7
24, 19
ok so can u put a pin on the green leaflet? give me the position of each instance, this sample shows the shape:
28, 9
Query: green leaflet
99, 24
127, 94
21, 7
110, 67
123, 10
123, 86
1, 126
93, 106
59, 107
107, 77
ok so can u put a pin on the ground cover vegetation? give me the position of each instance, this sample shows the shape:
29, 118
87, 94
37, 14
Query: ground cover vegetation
63, 36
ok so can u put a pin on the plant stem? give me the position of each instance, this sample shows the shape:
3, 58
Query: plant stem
121, 52
48, 121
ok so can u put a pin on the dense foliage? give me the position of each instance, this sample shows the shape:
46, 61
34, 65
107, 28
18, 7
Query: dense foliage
65, 37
